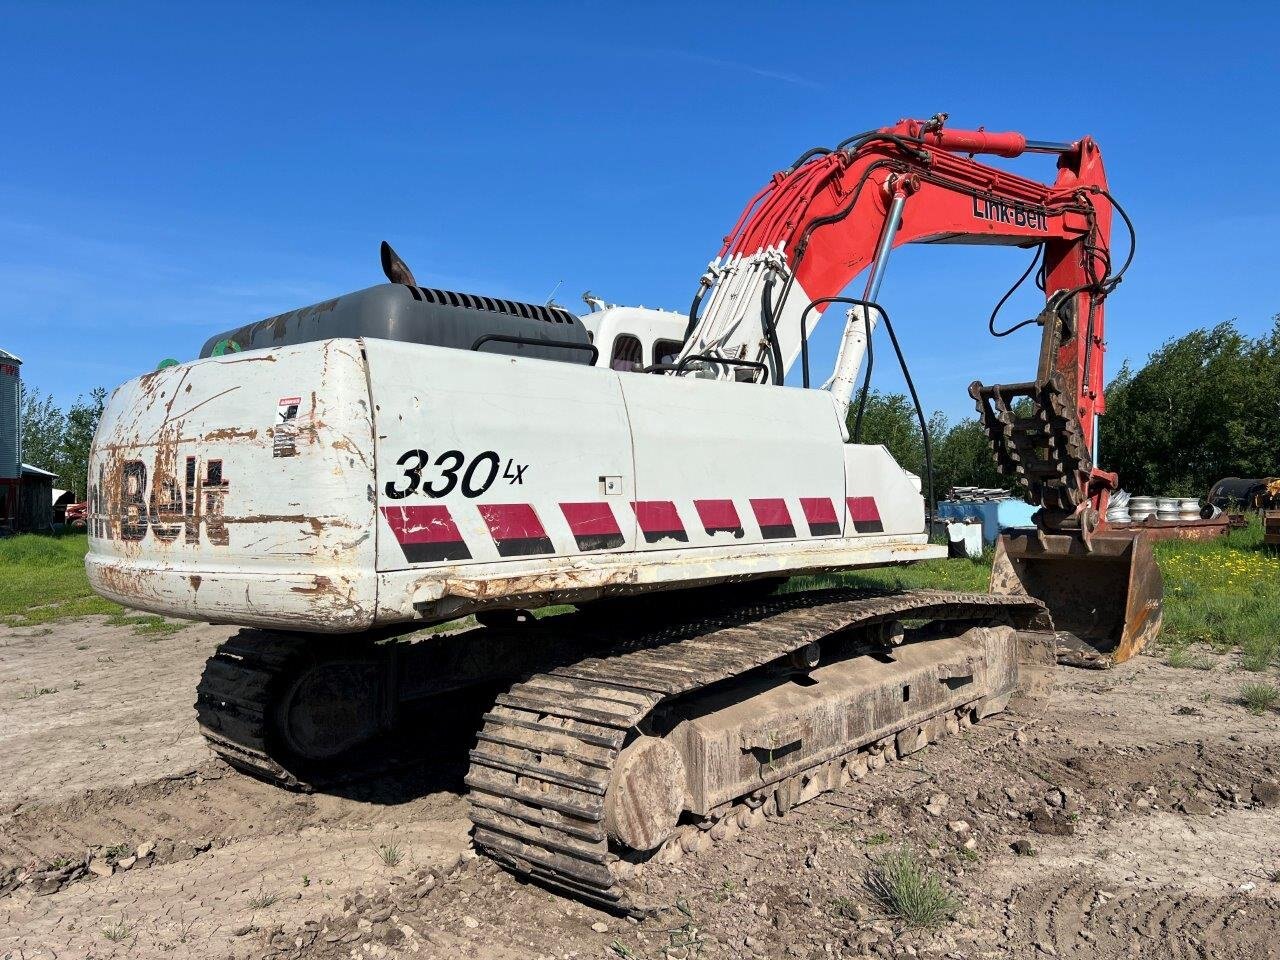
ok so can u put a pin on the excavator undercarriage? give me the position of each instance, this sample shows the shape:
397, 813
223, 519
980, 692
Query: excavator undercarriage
649, 741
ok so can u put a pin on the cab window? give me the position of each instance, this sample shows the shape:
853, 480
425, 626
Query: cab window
627, 356
666, 351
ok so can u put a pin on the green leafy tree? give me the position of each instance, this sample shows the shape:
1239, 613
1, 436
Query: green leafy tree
42, 425
1205, 406
961, 456
889, 419
77, 437
57, 441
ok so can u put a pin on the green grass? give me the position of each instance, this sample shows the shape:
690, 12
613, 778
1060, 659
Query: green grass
1223, 592
910, 891
1183, 657
117, 930
42, 579
390, 854
962, 574
1259, 697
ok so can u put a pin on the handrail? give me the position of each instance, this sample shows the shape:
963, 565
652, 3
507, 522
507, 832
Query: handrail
534, 342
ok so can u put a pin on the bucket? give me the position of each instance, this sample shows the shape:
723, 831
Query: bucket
1106, 598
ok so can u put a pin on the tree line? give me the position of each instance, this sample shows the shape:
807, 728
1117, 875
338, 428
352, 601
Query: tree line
58, 440
1203, 407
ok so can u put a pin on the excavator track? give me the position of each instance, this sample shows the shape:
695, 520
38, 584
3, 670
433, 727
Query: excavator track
546, 766
234, 702
252, 678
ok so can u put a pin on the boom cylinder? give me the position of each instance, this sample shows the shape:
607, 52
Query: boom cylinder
853, 345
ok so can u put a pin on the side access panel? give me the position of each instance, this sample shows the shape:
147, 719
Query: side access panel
727, 464
485, 458
882, 497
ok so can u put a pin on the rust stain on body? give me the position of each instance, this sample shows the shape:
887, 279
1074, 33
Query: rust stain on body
536, 583
230, 433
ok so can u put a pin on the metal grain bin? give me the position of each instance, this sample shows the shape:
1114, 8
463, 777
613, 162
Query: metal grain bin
10, 433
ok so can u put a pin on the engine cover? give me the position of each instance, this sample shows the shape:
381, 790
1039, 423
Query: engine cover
439, 318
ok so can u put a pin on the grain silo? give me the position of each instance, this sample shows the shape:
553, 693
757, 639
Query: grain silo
10, 439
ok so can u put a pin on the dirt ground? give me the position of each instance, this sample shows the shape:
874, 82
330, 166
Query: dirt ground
1144, 805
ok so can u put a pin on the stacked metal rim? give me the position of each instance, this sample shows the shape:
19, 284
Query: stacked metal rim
1166, 508
1118, 508
1142, 508
978, 493
1188, 508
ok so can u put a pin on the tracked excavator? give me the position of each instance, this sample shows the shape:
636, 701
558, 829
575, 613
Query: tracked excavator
337, 478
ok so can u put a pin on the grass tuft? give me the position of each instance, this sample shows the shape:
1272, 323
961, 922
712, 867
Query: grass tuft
147, 624
390, 854
910, 891
1259, 697
261, 900
37, 692
117, 930
117, 850
1183, 657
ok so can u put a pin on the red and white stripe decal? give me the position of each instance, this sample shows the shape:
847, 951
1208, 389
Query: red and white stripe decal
426, 534
774, 518
719, 516
516, 529
820, 515
865, 514
593, 525
659, 520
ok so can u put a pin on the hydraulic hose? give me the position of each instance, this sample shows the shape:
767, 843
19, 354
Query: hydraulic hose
856, 434
1112, 282
808, 155
771, 330
924, 426
693, 312
991, 322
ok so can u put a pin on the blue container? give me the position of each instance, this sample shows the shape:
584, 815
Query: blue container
1014, 514
994, 515
983, 511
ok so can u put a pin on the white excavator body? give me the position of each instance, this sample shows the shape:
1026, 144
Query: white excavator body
343, 484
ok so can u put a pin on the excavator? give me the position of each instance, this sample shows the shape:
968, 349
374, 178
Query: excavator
335, 479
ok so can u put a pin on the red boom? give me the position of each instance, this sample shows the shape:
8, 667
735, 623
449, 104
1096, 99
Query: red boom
827, 214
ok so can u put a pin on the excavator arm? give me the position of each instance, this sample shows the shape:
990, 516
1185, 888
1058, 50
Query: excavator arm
835, 213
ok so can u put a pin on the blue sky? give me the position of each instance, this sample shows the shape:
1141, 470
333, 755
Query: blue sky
171, 171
